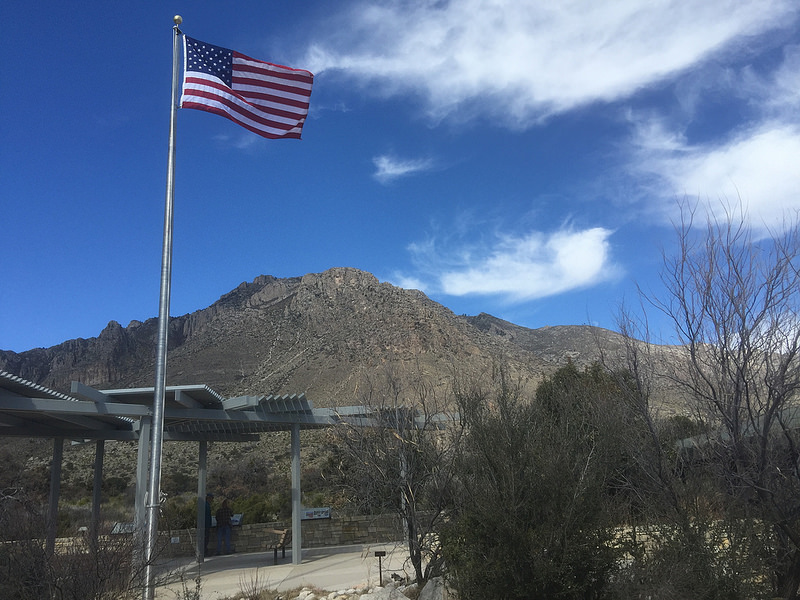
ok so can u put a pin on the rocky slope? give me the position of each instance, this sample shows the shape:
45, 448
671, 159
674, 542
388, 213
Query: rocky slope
316, 334
324, 334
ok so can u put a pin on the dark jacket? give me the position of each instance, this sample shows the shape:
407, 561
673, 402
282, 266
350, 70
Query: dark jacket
224, 515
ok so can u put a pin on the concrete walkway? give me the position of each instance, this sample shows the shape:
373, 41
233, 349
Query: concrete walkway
331, 569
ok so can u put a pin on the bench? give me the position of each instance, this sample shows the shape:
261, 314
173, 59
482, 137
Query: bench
283, 537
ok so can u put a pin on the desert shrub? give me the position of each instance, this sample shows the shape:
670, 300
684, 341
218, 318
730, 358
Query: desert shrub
263, 508
82, 570
535, 517
179, 512
711, 560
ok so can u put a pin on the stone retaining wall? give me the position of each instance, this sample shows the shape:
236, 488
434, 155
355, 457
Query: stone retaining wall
336, 531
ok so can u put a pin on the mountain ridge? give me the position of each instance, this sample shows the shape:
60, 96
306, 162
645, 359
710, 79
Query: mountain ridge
336, 336
317, 333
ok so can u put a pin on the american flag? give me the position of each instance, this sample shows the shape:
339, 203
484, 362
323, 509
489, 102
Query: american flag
270, 100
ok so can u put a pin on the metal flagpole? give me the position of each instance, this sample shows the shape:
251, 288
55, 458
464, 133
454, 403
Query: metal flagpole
157, 436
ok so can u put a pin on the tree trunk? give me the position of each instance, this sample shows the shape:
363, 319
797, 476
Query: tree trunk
414, 552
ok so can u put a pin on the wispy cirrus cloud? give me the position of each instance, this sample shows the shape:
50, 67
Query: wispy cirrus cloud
523, 62
240, 141
516, 268
754, 163
388, 167
777, 93
520, 62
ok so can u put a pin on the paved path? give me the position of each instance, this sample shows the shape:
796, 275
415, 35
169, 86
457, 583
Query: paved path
331, 569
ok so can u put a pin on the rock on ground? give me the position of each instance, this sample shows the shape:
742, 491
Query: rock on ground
433, 590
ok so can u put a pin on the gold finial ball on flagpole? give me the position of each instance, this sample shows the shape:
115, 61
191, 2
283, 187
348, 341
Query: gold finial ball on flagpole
178, 19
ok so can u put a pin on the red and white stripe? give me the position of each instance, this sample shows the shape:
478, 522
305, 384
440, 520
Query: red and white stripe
270, 100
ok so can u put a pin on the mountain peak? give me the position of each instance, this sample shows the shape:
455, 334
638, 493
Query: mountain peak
319, 334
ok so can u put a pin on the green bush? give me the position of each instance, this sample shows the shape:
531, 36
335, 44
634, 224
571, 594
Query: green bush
263, 508
534, 518
179, 513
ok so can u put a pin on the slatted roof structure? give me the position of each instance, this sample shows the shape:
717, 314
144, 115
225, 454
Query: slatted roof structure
191, 413
31, 410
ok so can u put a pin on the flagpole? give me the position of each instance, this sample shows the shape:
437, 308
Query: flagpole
157, 437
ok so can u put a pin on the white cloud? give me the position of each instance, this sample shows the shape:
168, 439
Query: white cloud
757, 166
409, 283
778, 94
755, 163
520, 268
389, 168
786, 91
523, 61
240, 141
760, 167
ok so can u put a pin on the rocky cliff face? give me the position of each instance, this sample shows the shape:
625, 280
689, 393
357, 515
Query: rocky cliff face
316, 334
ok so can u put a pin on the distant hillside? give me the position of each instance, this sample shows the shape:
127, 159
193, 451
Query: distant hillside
316, 334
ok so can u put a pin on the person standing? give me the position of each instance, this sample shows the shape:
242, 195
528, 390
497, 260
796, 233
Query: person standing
209, 499
224, 516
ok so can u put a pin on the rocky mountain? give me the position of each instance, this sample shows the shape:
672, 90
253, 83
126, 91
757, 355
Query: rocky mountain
325, 334
319, 334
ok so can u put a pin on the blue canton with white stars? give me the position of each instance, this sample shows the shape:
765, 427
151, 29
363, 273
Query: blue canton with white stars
210, 59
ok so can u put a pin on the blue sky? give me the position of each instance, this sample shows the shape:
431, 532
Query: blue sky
520, 158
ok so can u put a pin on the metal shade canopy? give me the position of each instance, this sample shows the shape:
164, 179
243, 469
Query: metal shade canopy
194, 413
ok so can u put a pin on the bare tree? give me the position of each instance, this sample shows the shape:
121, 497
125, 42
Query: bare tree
400, 458
734, 301
677, 540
